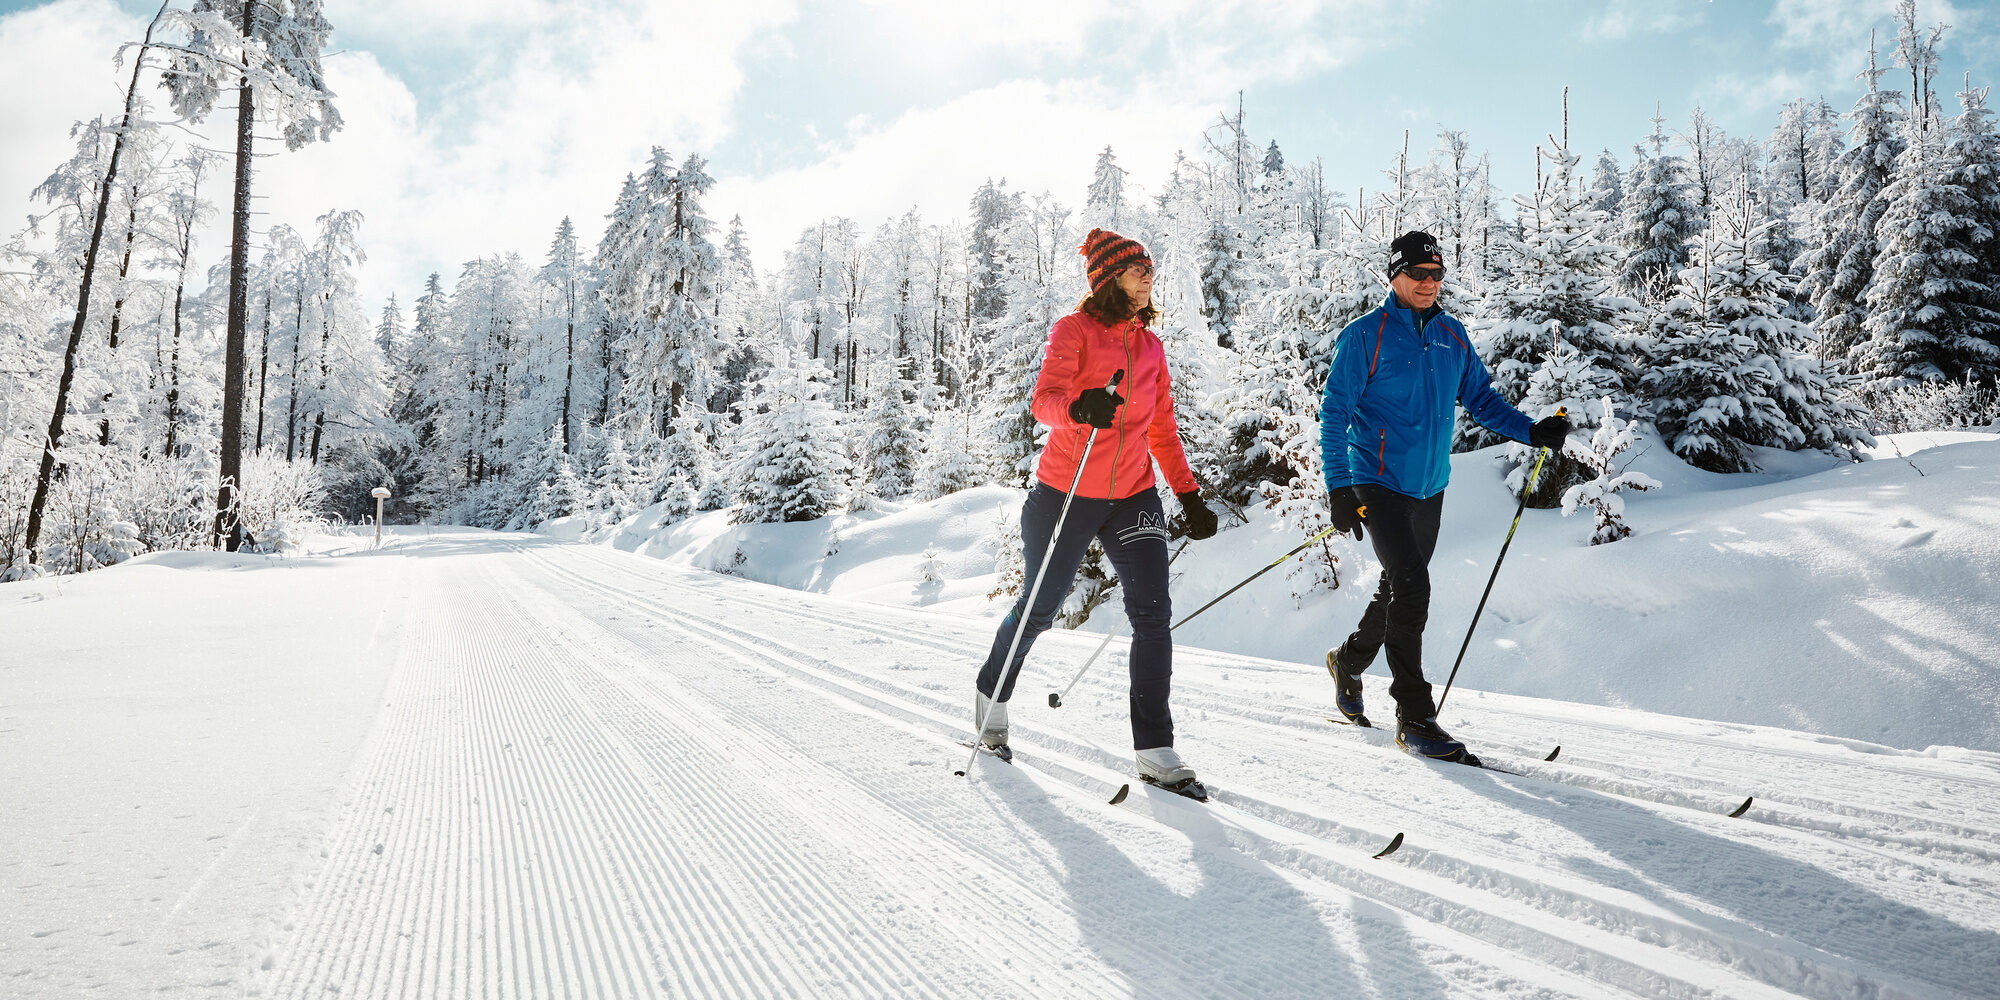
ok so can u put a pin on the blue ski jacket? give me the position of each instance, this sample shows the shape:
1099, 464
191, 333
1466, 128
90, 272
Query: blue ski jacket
1392, 395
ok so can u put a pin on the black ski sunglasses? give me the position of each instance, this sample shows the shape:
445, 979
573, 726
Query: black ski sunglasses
1425, 273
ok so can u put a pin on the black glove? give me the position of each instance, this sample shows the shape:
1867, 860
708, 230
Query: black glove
1200, 520
1345, 506
1549, 432
1096, 407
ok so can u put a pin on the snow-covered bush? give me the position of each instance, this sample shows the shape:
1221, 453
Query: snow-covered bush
1937, 406
282, 502
930, 566
1004, 541
1601, 494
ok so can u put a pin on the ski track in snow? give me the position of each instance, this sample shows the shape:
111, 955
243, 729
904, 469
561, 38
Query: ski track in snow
598, 775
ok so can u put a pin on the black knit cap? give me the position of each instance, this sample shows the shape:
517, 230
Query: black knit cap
1106, 254
1414, 249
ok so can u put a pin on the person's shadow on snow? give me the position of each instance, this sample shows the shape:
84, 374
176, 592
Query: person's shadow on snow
1752, 893
1236, 928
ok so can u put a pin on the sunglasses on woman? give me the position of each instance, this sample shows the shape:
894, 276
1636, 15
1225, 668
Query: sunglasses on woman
1141, 270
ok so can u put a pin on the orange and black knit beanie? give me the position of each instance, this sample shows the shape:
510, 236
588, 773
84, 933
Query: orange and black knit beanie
1106, 254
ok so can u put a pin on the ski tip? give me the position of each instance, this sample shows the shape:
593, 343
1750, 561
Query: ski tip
959, 773
1123, 790
1055, 700
1553, 753
1744, 808
1394, 843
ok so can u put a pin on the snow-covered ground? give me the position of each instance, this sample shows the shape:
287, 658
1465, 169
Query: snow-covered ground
471, 764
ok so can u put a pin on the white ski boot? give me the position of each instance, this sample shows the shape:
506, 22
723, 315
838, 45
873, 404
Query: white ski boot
993, 728
1162, 766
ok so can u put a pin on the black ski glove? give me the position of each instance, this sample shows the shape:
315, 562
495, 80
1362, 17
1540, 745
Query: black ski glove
1549, 432
1096, 407
1200, 520
1345, 506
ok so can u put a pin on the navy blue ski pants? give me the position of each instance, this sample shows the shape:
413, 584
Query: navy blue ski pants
1404, 531
1133, 532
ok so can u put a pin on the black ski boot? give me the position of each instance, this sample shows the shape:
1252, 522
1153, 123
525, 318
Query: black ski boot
1346, 691
1426, 737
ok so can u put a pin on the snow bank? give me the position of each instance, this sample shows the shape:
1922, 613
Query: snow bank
1852, 600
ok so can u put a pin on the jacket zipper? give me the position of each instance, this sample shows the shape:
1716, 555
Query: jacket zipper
1111, 480
1381, 450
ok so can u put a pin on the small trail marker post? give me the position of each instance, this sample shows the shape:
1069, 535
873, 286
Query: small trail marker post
380, 493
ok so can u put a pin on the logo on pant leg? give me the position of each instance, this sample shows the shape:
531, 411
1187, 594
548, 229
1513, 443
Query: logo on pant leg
1149, 526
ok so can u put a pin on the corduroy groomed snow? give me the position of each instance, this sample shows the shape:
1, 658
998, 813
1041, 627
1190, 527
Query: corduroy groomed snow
1413, 249
1106, 254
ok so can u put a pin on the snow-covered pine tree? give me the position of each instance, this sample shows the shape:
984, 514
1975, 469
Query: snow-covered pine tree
951, 459
1104, 207
993, 210
1041, 279
686, 460
1659, 218
618, 490
1841, 267
1933, 310
1728, 369
1554, 337
1601, 494
1607, 194
672, 352
792, 462
894, 429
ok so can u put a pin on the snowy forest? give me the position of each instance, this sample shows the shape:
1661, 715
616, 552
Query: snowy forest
1833, 279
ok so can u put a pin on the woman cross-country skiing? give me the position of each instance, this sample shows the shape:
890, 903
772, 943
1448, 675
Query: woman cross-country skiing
1115, 502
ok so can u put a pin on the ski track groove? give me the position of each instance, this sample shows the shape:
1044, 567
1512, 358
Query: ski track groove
653, 689
1622, 778
1780, 963
1508, 931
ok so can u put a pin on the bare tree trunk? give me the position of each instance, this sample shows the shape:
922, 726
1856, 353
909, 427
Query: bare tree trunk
264, 368
226, 498
68, 379
174, 371
325, 373
118, 307
569, 356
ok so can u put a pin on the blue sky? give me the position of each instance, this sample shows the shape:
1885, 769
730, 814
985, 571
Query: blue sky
474, 128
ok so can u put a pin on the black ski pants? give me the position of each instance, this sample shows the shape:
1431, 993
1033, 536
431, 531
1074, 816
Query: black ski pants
1133, 532
1404, 531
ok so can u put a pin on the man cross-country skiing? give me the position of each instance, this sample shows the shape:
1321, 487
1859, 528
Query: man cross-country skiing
1115, 501
1399, 375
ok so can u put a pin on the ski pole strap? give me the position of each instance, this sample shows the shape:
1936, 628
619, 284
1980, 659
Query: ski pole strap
1274, 564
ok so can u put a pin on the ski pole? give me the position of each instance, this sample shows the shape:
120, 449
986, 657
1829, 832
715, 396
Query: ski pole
1274, 564
1534, 477
1028, 606
1056, 700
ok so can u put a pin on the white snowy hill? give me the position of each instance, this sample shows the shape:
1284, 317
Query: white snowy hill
473, 764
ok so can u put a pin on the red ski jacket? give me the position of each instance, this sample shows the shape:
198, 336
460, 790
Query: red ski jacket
1083, 354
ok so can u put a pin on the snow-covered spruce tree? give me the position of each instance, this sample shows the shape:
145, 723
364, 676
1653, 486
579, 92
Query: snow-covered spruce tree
1554, 338
1934, 308
1729, 369
672, 346
549, 484
792, 462
1104, 207
1256, 400
421, 470
952, 458
686, 451
1709, 385
1659, 219
1601, 494
1041, 278
618, 490
1841, 267
1607, 194
994, 209
894, 429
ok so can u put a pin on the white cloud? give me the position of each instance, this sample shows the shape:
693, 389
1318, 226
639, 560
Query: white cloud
56, 68
1039, 137
1624, 19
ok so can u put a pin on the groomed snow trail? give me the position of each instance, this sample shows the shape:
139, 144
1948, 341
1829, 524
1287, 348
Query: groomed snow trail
597, 776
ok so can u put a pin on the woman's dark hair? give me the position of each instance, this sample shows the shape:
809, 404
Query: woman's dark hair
1109, 304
